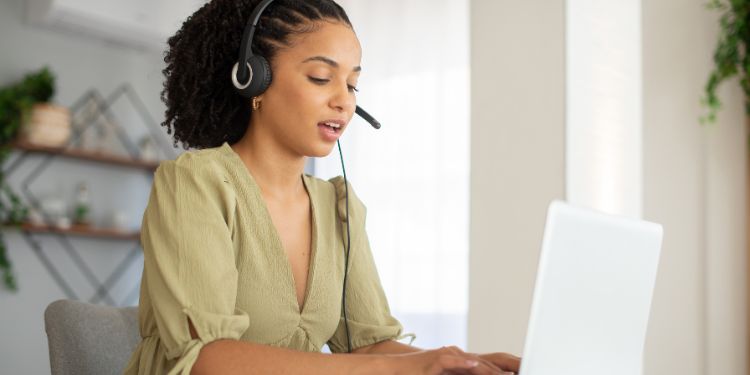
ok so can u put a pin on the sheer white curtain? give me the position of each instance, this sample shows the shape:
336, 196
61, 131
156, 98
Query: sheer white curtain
604, 126
413, 173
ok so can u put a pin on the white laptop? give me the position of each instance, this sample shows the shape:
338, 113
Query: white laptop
593, 294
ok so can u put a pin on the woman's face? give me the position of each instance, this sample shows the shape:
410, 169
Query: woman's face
313, 83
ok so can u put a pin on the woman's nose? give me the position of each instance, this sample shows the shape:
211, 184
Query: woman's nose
343, 100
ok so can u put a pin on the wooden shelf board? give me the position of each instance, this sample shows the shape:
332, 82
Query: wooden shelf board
81, 154
83, 231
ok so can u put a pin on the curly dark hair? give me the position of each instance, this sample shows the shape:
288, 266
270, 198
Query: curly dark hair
203, 108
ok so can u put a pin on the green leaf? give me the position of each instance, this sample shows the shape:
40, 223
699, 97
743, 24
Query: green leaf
16, 101
730, 55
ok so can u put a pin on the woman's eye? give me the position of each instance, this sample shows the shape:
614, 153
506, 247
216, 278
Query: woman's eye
323, 81
319, 81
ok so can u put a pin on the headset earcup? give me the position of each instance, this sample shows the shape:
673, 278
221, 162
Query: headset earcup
261, 76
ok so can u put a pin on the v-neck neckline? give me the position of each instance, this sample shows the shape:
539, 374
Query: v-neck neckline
280, 251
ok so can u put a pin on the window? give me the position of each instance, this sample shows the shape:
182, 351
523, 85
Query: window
604, 122
413, 173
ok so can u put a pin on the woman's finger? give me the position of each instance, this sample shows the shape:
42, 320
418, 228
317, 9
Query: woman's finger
505, 361
452, 362
490, 365
484, 366
509, 362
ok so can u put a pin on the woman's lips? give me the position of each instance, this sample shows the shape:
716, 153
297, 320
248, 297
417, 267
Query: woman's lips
329, 133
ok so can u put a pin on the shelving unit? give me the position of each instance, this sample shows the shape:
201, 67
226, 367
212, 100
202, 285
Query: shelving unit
96, 157
83, 231
132, 161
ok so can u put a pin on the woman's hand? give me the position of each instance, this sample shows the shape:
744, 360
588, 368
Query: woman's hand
444, 361
504, 361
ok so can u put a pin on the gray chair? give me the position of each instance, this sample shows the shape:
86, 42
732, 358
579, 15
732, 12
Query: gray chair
90, 339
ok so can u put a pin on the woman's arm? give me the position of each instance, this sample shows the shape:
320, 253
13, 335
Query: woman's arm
237, 357
387, 347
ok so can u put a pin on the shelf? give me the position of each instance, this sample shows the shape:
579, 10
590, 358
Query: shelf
97, 157
83, 231
95, 112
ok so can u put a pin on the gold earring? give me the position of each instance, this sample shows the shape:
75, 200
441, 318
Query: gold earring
256, 103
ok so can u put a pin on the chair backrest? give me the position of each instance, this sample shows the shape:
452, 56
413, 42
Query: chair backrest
90, 339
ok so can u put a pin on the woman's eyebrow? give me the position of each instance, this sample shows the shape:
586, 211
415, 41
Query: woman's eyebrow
329, 62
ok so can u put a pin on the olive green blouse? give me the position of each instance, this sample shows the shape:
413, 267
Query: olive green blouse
213, 255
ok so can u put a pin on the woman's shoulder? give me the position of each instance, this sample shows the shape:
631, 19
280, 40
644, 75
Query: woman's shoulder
205, 171
332, 187
196, 179
200, 163
336, 191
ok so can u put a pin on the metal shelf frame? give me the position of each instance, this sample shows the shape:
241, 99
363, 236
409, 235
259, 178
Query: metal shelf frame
103, 108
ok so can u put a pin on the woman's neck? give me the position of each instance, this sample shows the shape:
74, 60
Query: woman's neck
276, 170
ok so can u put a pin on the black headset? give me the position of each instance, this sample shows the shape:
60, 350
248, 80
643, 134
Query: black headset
255, 71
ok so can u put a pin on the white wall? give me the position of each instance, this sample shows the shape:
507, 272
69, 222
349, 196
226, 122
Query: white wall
694, 181
517, 159
80, 63
695, 185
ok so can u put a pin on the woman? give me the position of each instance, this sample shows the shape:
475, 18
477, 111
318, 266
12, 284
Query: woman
243, 259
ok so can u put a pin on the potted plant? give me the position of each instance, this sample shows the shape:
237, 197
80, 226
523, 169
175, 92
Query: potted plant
731, 54
16, 103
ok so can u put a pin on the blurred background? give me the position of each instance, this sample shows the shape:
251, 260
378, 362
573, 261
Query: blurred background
490, 110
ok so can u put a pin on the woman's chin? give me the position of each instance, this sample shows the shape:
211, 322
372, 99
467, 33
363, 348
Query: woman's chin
320, 151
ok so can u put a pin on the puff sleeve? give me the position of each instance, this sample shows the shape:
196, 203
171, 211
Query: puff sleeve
370, 319
189, 261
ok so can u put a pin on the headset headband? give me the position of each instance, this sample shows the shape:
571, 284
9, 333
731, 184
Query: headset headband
246, 48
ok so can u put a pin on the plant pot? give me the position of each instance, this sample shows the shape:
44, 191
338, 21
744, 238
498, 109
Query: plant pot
46, 125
